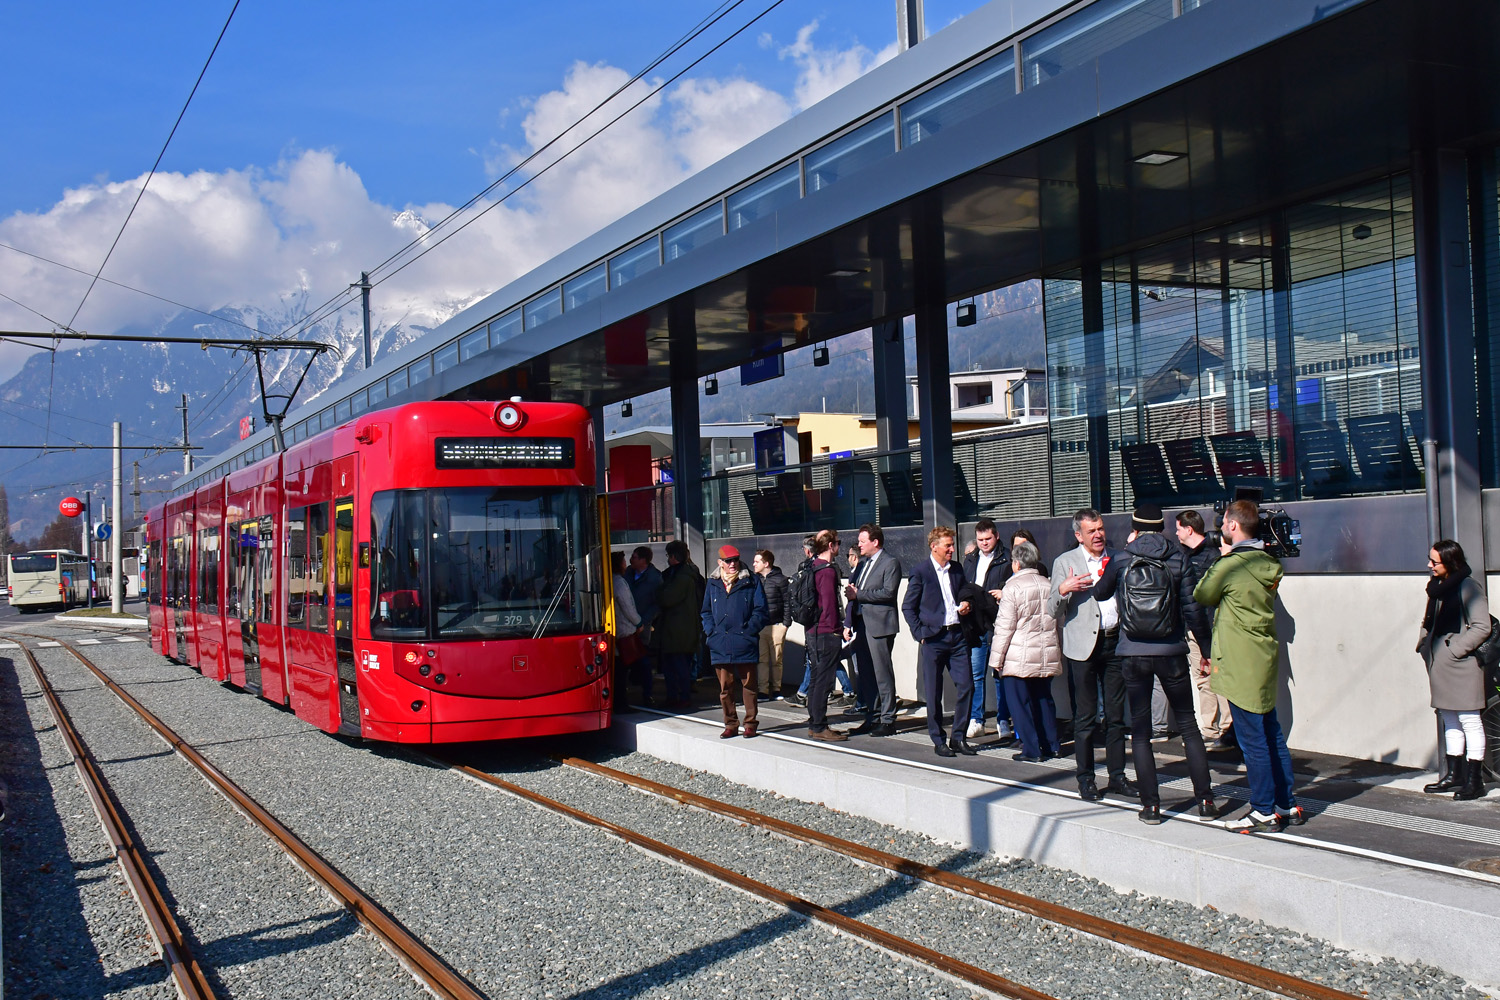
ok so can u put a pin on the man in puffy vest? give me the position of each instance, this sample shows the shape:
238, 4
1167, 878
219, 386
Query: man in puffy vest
1152, 587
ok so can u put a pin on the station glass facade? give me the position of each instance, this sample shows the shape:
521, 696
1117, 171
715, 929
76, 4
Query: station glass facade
1279, 353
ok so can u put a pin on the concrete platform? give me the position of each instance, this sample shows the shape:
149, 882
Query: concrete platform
1379, 876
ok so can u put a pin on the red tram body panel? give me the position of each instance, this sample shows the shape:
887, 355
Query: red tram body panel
428, 573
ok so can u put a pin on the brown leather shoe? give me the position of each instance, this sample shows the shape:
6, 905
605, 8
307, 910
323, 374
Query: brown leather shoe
730, 729
749, 730
828, 736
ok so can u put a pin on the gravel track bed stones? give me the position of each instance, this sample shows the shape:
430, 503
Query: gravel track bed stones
525, 903
1033, 952
258, 924
1250, 940
72, 928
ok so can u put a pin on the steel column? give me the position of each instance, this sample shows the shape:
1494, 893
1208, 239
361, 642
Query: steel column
1445, 319
934, 404
889, 354
687, 468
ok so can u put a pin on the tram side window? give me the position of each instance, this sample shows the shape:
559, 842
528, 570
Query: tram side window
176, 567
153, 573
208, 568
247, 543
398, 523
296, 564
232, 570
315, 591
343, 567
267, 566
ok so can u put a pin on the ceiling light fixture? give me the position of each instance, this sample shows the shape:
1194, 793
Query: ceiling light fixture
966, 314
1157, 157
711, 387
626, 409
820, 357
845, 272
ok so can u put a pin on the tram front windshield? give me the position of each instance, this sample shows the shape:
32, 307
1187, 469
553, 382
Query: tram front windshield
477, 562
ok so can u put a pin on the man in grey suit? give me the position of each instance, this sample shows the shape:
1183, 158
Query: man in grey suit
1091, 629
872, 601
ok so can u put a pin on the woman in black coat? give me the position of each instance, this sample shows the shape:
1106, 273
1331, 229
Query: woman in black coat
1456, 623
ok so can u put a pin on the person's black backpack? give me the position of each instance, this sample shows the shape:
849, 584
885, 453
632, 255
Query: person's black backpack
1148, 600
803, 595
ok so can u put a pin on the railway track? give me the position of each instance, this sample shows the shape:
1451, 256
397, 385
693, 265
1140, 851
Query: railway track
434, 972
414, 954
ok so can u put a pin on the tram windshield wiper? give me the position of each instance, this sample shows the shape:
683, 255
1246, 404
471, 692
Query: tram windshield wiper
555, 602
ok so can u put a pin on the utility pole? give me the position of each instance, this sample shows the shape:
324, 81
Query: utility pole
136, 492
187, 456
364, 287
116, 581
88, 538
910, 24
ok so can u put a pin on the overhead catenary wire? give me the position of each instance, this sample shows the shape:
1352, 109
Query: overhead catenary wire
343, 298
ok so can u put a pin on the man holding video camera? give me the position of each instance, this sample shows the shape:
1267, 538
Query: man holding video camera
1242, 586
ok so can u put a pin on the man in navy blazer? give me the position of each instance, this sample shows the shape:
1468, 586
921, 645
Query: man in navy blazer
932, 611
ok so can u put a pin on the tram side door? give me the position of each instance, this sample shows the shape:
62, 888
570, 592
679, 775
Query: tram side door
177, 582
253, 550
343, 616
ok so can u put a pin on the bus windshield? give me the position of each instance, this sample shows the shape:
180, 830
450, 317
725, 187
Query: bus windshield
478, 562
41, 562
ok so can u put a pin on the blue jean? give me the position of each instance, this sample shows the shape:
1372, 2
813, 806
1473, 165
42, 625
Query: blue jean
979, 658
1036, 715
1267, 762
845, 685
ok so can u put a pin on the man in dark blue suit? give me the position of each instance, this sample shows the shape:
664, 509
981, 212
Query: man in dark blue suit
932, 611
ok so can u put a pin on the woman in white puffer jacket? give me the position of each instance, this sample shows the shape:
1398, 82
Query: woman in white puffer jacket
1026, 653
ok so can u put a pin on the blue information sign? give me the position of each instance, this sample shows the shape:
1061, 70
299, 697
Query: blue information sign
762, 369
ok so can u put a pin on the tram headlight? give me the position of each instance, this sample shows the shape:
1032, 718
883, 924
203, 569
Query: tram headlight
509, 416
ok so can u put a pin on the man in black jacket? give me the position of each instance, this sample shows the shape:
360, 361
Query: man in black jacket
987, 567
1213, 710
773, 636
1152, 585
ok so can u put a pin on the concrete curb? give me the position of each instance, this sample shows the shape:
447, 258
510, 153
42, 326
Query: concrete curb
1364, 905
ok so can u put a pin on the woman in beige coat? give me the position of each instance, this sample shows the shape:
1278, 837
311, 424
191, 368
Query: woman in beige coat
1026, 653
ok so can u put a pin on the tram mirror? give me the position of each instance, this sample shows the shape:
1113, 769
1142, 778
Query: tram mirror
364, 555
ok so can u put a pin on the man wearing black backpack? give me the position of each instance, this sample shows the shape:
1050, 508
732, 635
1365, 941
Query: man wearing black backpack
1152, 586
814, 599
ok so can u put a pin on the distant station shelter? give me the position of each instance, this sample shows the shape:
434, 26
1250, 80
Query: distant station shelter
1266, 235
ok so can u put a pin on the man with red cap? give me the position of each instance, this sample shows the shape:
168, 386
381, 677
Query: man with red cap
734, 612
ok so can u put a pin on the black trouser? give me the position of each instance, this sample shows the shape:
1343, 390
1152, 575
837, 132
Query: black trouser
822, 658
1139, 673
948, 651
1104, 665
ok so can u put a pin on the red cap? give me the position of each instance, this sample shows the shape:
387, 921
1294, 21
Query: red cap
728, 552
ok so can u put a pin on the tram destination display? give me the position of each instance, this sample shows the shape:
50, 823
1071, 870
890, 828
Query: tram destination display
504, 453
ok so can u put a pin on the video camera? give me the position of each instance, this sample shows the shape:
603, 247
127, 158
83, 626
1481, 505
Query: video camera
1279, 531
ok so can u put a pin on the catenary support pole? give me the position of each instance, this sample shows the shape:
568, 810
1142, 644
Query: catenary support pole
910, 23
116, 578
364, 287
187, 456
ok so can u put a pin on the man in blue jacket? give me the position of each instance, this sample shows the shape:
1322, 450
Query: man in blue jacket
734, 612
932, 611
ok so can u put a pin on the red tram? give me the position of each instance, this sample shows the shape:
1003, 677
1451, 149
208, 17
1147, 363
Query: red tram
428, 573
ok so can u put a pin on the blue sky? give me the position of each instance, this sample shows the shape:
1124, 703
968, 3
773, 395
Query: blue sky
324, 136
409, 94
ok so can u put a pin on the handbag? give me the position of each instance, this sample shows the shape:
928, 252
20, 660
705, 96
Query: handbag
631, 648
1487, 654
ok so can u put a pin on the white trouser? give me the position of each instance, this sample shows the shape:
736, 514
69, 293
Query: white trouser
1460, 729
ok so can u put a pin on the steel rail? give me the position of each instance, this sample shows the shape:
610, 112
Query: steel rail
947, 964
1155, 944
425, 964
191, 981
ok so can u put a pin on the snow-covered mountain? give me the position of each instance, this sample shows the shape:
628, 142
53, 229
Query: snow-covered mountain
141, 385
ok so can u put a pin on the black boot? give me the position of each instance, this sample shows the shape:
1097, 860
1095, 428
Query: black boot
1453, 779
1473, 783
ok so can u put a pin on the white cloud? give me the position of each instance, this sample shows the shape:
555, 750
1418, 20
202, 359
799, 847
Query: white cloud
302, 229
821, 71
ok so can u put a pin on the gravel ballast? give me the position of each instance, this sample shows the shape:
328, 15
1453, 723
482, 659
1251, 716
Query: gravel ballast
529, 904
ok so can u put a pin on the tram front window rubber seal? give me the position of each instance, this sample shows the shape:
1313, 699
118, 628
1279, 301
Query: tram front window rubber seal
504, 453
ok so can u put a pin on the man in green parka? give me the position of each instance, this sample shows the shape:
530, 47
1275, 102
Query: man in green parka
1242, 586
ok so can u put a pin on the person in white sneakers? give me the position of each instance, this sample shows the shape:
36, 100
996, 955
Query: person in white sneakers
987, 566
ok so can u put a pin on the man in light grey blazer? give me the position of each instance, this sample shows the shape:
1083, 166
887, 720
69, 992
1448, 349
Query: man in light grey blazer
872, 603
1091, 628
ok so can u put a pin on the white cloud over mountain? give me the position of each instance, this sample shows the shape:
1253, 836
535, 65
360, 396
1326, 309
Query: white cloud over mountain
303, 228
